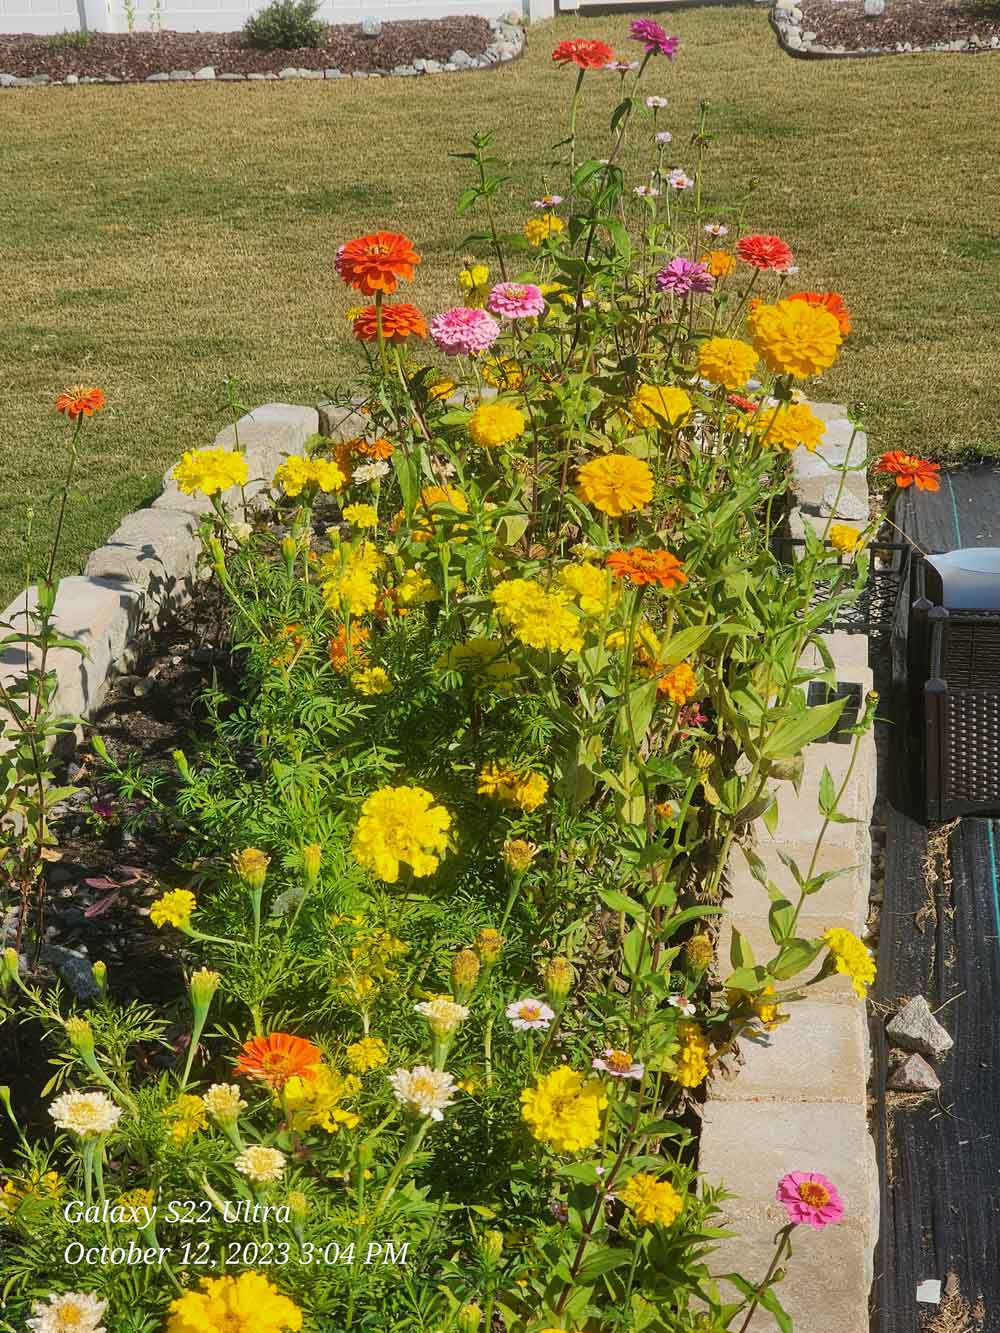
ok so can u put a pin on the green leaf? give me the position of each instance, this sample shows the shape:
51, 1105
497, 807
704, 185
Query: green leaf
781, 918
621, 902
689, 914
602, 1262
795, 956
740, 952
793, 734
747, 978
682, 645
622, 109
467, 198
770, 818
827, 792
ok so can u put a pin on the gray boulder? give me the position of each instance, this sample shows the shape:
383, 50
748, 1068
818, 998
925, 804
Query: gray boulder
913, 1074
915, 1028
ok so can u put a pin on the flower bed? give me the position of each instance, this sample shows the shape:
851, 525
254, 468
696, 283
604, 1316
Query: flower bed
511, 673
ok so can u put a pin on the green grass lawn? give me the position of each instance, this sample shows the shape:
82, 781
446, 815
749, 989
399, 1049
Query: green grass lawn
156, 239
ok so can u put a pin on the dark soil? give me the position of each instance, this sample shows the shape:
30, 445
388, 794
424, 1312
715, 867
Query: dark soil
922, 24
133, 57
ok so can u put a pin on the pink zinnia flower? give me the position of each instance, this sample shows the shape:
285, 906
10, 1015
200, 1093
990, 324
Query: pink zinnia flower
680, 180
810, 1197
462, 331
547, 201
528, 1014
516, 300
654, 37
619, 1064
684, 275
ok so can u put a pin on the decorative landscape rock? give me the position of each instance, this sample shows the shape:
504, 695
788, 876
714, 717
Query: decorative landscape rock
371, 27
913, 1074
916, 1029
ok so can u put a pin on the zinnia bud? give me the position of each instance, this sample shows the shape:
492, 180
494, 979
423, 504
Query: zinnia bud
488, 944
470, 1318
251, 866
518, 854
558, 978
699, 952
464, 974
312, 855
218, 557
99, 971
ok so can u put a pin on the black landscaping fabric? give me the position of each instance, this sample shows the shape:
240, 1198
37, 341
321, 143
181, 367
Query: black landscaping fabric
939, 1155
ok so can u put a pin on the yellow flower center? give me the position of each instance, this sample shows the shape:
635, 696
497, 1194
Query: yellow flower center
529, 1012
619, 1061
71, 1316
424, 1087
813, 1194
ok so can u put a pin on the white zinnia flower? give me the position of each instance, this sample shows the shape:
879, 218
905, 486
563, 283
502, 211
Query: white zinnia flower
716, 229
72, 1312
619, 1064
85, 1113
443, 1015
680, 180
664, 136
370, 471
260, 1164
530, 1013
424, 1091
223, 1101
682, 1003
656, 103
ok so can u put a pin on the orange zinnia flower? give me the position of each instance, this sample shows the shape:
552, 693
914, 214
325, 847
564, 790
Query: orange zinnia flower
276, 1058
639, 566
80, 401
832, 301
910, 471
338, 647
584, 54
398, 323
378, 449
373, 263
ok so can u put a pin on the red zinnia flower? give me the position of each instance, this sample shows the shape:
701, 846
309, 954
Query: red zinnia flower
910, 471
764, 252
744, 404
80, 401
276, 1058
399, 322
373, 263
832, 301
639, 566
585, 54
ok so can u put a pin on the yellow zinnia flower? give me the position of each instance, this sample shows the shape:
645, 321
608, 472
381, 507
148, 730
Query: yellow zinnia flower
539, 229
844, 538
210, 471
525, 789
615, 484
692, 1058
593, 588
853, 958
539, 618
496, 423
652, 1200
789, 425
298, 474
795, 338
726, 361
720, 263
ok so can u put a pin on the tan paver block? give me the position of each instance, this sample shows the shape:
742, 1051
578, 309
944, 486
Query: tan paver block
845, 896
836, 989
819, 1055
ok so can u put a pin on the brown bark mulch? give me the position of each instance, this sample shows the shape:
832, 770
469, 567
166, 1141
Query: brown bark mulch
922, 23
131, 57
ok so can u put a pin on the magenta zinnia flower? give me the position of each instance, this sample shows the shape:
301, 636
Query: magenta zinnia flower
462, 331
684, 275
810, 1197
516, 300
654, 37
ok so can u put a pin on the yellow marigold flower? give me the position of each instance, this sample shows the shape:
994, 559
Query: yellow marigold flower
316, 1102
539, 229
539, 618
853, 958
615, 484
564, 1109
245, 1304
353, 591
654, 1201
518, 854
496, 423
361, 515
474, 282
726, 361
502, 372
133, 1202
372, 680
467, 1085
174, 908
720, 263
210, 471
764, 1006
298, 474
401, 826
679, 684
594, 588
188, 1114
844, 538
367, 1054
692, 1058
416, 589
789, 424
795, 338
40, 1186
510, 786
659, 405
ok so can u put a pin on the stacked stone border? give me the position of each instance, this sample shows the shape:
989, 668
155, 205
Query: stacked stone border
788, 24
508, 43
799, 1100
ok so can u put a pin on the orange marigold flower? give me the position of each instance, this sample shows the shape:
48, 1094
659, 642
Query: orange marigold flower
80, 401
832, 301
764, 252
376, 449
375, 262
679, 684
337, 647
399, 322
720, 263
910, 471
276, 1058
640, 566
584, 54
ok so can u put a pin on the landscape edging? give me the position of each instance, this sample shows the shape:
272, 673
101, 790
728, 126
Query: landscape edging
788, 21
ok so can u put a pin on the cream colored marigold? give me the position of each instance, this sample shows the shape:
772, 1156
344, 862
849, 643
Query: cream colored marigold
593, 588
68, 1312
522, 788
692, 1058
654, 1202
442, 1015
660, 405
789, 425
539, 229
87, 1114
726, 361
224, 1101
496, 423
615, 484
564, 1109
795, 338
296, 474
260, 1165
209, 471
401, 826
245, 1304
853, 958
367, 1054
